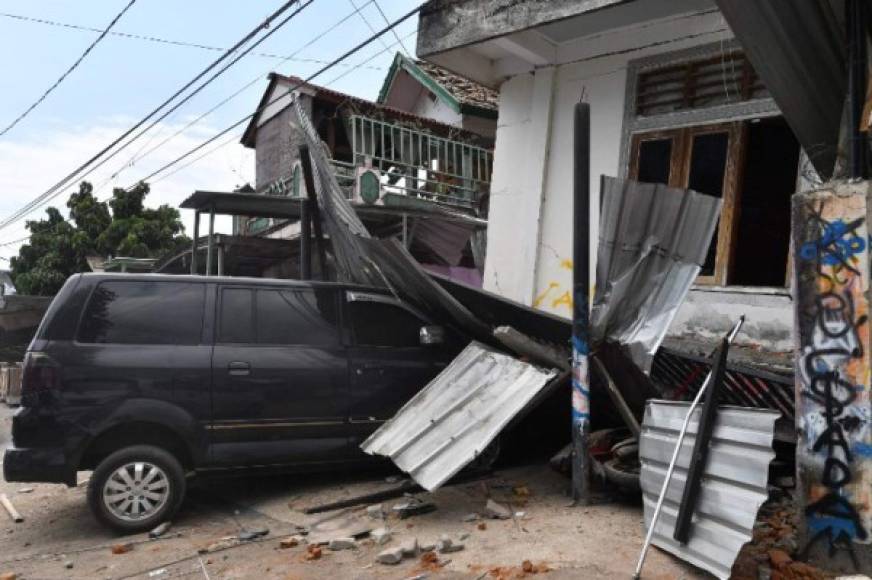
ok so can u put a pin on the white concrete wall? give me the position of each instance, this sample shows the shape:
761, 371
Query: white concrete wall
529, 256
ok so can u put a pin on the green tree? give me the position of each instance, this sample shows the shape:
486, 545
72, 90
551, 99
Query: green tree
123, 226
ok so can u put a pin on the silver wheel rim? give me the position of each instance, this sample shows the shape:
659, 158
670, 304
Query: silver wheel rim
136, 491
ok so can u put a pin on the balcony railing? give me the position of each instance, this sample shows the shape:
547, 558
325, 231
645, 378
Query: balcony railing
417, 163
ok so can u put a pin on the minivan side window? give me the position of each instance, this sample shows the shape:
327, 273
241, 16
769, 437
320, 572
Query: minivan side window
297, 316
135, 312
236, 323
382, 324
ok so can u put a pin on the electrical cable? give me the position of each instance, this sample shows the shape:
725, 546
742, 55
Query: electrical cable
137, 157
69, 70
149, 38
52, 191
397, 36
290, 90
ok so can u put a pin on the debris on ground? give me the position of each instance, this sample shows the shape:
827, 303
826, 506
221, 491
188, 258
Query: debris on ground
472, 517
381, 536
521, 491
337, 544
429, 562
393, 479
413, 507
410, 547
339, 525
376, 511
221, 544
25, 490
313, 552
527, 568
497, 511
291, 542
390, 556
482, 526
7, 576
160, 530
68, 565
446, 545
248, 535
121, 548
10, 509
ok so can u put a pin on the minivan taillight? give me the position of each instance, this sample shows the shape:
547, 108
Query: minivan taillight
40, 373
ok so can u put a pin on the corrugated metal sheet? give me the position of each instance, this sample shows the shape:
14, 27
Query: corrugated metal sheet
653, 240
733, 488
456, 416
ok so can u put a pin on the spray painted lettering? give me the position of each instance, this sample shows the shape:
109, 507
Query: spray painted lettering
834, 374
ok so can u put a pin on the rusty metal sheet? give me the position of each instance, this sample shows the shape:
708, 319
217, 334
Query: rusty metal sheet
733, 486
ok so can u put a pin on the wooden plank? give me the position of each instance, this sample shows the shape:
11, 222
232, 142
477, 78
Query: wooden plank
10, 509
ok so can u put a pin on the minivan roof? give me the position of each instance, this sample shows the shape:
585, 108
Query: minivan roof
99, 276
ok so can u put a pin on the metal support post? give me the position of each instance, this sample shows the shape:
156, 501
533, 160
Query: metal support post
194, 242
210, 242
580, 312
314, 211
220, 248
305, 241
855, 23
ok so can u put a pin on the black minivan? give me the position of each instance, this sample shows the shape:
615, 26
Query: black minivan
147, 378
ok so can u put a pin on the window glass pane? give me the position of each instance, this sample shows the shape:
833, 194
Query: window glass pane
144, 313
655, 158
708, 163
297, 317
236, 324
380, 324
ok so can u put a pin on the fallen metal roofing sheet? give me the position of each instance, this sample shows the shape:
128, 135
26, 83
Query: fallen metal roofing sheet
456, 416
733, 486
653, 240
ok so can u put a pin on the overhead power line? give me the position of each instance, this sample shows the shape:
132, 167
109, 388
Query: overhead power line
139, 155
55, 189
69, 70
397, 36
278, 97
155, 39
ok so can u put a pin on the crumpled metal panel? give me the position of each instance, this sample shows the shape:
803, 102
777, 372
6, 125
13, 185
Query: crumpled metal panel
653, 240
454, 418
733, 486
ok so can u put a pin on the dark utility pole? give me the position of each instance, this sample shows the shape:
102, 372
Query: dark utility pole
855, 23
314, 211
580, 283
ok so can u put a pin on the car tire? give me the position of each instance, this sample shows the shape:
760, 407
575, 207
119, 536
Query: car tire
136, 488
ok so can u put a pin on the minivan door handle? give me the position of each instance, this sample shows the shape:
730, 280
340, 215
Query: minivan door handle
239, 368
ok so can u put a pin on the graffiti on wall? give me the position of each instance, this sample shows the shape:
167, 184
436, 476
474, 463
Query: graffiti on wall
833, 370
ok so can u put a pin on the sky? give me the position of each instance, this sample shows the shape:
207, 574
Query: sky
124, 78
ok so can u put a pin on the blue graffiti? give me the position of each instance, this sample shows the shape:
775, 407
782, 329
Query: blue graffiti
837, 243
862, 449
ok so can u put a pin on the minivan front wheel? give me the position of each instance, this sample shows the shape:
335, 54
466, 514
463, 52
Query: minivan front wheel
136, 488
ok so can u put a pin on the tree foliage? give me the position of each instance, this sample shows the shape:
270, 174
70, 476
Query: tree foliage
123, 226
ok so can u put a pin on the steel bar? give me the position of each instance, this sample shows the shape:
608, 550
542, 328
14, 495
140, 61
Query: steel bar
699, 456
637, 574
617, 399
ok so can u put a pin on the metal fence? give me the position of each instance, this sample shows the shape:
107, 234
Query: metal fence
419, 164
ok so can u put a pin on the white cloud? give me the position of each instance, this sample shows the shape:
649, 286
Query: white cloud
28, 168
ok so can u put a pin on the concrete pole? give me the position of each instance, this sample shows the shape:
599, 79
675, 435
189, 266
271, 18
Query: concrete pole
831, 288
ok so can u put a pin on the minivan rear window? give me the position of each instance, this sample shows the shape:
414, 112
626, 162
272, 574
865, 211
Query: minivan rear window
137, 312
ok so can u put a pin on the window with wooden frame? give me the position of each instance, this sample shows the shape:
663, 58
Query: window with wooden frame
752, 165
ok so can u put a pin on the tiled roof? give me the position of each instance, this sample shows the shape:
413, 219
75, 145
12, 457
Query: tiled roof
464, 90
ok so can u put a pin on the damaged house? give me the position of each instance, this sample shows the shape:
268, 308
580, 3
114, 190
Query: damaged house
416, 164
742, 101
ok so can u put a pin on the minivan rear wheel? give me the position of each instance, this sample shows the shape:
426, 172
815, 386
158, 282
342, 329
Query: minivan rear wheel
136, 488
